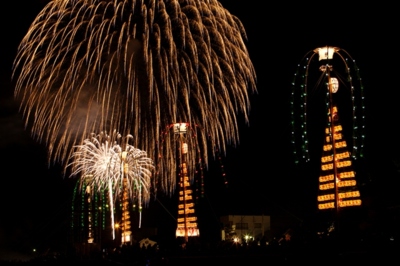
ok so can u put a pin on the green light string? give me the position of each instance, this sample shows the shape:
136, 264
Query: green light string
306, 155
96, 209
300, 83
199, 180
354, 110
328, 111
139, 187
103, 208
201, 164
73, 204
198, 167
83, 206
292, 113
196, 186
223, 173
358, 145
133, 199
121, 194
362, 103
303, 111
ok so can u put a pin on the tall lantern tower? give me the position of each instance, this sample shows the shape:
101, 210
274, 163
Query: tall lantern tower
337, 183
187, 220
126, 233
341, 87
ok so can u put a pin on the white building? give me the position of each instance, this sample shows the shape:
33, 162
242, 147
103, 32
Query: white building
245, 227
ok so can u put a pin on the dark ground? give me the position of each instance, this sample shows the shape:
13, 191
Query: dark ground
283, 253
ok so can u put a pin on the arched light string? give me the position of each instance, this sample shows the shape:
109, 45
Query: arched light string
75, 191
83, 206
199, 180
328, 105
360, 151
292, 114
101, 201
103, 209
363, 121
223, 173
358, 116
300, 77
222, 167
140, 205
299, 99
199, 166
100, 206
96, 210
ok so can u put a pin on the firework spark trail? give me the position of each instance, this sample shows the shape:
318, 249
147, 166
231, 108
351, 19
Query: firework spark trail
136, 66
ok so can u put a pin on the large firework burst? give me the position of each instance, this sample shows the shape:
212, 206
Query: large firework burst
136, 66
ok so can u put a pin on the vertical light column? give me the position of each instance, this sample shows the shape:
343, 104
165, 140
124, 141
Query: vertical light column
126, 219
187, 220
337, 182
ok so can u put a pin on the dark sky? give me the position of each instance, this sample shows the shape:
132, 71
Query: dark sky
261, 173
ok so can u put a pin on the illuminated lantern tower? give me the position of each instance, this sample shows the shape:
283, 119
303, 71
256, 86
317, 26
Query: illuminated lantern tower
337, 182
126, 219
187, 220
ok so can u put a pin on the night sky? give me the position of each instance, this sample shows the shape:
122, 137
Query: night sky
261, 172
